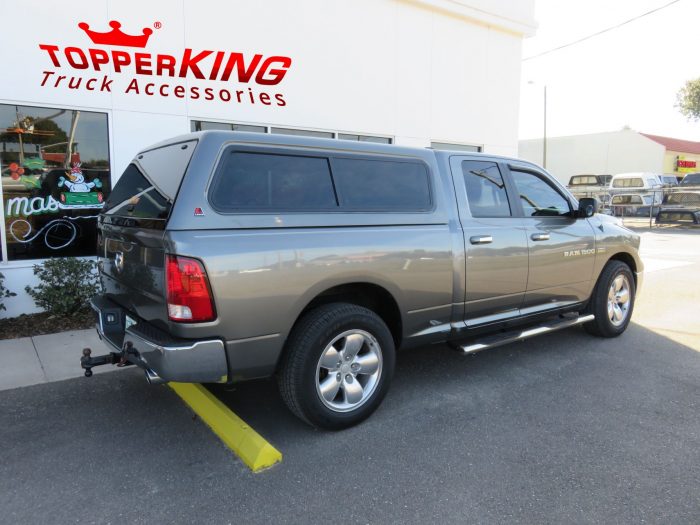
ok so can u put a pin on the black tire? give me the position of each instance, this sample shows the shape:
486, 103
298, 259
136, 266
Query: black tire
603, 325
298, 379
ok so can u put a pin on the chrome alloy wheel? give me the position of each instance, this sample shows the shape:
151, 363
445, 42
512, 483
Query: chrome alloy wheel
619, 300
349, 370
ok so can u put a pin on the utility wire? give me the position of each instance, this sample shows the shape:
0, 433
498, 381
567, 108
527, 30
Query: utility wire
601, 32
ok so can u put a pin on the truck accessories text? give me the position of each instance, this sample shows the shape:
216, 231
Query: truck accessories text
206, 65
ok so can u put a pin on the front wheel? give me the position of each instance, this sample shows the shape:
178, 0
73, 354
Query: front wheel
337, 367
612, 301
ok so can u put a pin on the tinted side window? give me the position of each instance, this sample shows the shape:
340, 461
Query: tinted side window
537, 197
381, 184
486, 191
265, 181
693, 178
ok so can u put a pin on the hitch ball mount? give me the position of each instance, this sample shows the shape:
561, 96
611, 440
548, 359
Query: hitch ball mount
113, 358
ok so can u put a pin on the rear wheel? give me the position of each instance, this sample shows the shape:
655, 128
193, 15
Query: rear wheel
338, 365
612, 301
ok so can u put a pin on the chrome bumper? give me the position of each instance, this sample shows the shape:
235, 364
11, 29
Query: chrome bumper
185, 361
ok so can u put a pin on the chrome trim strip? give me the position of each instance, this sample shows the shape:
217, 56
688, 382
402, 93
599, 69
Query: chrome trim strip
441, 328
152, 344
501, 316
429, 308
254, 338
546, 306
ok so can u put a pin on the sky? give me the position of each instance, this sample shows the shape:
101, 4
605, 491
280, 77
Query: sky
626, 77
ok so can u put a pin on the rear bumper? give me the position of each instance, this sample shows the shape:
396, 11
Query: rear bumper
157, 352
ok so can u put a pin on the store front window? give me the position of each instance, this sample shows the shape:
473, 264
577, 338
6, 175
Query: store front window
204, 125
54, 168
455, 147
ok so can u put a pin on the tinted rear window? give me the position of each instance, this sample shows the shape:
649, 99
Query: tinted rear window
583, 180
135, 196
628, 183
261, 181
365, 184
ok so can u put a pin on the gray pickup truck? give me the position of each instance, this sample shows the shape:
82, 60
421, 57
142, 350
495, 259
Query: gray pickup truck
230, 256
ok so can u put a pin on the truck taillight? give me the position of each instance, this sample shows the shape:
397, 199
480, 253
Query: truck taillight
188, 292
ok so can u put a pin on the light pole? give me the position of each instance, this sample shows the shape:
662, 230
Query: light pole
544, 125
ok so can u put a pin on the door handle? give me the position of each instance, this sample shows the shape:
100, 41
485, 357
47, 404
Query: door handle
481, 239
539, 236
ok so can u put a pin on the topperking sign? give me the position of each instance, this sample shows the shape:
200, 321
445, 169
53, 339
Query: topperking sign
240, 79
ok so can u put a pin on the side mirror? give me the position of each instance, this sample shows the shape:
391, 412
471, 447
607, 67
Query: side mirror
587, 207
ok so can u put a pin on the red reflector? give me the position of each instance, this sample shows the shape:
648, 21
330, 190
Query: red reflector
189, 295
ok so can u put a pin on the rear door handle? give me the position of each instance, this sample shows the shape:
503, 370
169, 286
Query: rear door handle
539, 236
481, 239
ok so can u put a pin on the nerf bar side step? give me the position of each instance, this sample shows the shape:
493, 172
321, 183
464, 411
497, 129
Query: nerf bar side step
520, 335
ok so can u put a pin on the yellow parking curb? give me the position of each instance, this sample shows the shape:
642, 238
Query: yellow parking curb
250, 446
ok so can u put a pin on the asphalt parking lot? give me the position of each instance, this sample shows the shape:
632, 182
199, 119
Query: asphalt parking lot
564, 428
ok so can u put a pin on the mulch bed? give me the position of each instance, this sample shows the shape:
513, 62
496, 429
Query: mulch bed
27, 325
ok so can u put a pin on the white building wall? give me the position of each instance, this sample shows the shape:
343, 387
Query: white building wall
598, 153
414, 70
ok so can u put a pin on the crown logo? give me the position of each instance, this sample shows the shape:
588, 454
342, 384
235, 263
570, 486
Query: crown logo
116, 37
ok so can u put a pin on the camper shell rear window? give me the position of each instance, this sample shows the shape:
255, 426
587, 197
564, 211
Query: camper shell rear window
148, 186
633, 182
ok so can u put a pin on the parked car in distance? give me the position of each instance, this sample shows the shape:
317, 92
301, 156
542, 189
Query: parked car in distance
691, 179
229, 256
589, 180
632, 204
680, 207
589, 185
643, 183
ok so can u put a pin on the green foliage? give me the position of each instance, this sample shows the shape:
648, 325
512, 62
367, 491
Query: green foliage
66, 285
4, 292
688, 99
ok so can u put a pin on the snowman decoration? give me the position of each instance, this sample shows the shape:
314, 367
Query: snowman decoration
79, 194
76, 182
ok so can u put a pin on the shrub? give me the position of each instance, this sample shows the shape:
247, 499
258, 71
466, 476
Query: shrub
4, 292
66, 285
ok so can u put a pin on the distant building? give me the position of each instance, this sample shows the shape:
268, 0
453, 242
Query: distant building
613, 152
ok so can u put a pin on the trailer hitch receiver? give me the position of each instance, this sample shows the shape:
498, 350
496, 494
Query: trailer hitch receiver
87, 362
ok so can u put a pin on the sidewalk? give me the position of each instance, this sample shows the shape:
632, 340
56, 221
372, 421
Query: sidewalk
46, 358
